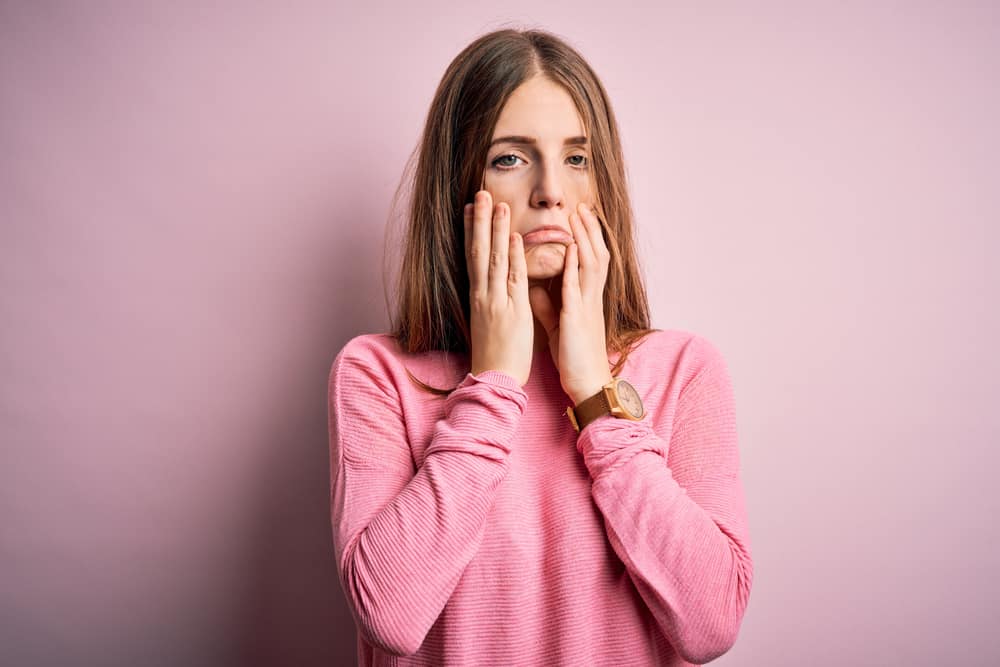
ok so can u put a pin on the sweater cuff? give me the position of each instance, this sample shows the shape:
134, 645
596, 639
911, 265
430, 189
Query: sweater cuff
481, 416
495, 383
496, 378
608, 442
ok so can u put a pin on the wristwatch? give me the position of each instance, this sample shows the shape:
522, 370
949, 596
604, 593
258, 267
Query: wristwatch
618, 398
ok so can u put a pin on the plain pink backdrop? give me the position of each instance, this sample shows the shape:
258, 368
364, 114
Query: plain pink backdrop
193, 200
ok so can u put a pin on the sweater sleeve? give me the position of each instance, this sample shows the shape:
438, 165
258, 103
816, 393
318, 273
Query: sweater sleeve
675, 512
402, 536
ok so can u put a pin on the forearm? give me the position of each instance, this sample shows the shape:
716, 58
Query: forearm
403, 537
688, 556
693, 573
403, 567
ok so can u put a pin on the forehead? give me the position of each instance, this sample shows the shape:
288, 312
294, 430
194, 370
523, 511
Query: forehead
542, 109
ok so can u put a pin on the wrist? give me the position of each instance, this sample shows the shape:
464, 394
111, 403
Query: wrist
588, 390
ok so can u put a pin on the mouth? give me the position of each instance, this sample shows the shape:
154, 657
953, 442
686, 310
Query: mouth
547, 235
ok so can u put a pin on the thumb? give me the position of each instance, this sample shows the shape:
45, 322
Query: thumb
542, 308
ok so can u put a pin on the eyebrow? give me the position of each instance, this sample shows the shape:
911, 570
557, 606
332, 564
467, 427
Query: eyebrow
519, 139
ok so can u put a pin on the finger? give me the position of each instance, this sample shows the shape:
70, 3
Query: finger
582, 237
480, 245
571, 276
499, 262
593, 224
467, 224
517, 284
584, 258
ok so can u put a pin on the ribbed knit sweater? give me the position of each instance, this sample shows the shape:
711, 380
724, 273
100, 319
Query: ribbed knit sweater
479, 528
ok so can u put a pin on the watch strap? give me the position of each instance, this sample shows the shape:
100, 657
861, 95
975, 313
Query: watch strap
588, 410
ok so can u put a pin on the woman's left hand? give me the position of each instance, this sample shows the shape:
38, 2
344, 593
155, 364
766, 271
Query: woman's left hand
576, 334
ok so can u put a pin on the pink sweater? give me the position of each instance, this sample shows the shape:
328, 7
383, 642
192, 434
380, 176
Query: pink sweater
479, 529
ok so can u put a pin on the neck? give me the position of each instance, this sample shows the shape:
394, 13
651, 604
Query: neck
553, 286
541, 338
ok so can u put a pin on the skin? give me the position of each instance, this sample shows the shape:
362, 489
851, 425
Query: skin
547, 182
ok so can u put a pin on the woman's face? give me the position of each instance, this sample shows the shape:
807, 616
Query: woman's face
539, 164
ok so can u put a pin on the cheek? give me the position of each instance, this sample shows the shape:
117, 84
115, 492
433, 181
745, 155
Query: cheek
517, 223
501, 193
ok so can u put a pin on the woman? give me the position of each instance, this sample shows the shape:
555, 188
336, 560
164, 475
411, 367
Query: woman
522, 471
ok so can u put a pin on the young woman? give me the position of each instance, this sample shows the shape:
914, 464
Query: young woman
523, 472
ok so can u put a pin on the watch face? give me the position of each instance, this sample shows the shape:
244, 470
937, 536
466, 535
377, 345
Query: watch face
629, 398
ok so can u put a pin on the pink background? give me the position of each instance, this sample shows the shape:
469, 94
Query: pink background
193, 201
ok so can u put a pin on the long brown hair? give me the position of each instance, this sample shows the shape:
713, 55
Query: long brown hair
432, 306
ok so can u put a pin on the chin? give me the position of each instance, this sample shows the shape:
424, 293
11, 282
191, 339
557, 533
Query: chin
545, 260
543, 274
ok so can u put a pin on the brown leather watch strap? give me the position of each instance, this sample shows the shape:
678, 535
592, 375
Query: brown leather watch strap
588, 410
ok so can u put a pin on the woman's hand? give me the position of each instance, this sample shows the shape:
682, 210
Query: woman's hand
501, 326
576, 333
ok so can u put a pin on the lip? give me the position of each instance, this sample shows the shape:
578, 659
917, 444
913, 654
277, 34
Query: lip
547, 234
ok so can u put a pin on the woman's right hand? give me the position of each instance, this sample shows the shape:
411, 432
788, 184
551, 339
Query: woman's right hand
502, 326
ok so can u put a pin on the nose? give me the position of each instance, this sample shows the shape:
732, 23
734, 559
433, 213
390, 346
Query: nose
548, 190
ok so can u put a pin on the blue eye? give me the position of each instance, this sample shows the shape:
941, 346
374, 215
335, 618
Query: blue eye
507, 166
503, 157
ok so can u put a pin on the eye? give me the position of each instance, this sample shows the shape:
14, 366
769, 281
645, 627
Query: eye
506, 166
496, 164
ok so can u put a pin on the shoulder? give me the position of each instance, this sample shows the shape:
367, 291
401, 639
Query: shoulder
378, 361
679, 354
372, 356
701, 362
367, 346
684, 345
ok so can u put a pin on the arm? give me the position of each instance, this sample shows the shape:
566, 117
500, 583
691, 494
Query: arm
679, 522
403, 537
